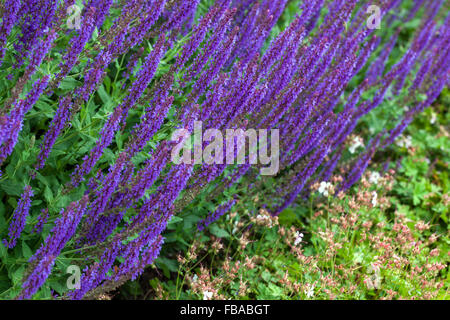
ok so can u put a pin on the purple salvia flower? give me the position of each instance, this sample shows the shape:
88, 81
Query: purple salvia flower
198, 35
103, 193
144, 77
76, 44
223, 52
148, 255
166, 194
311, 139
63, 231
106, 136
302, 177
41, 220
132, 62
44, 258
220, 211
377, 68
394, 133
9, 19
96, 273
138, 248
37, 19
421, 74
149, 17
207, 53
329, 166
150, 172
13, 127
150, 124
412, 13
97, 70
59, 121
312, 13
181, 12
19, 217
37, 277
102, 7
40, 51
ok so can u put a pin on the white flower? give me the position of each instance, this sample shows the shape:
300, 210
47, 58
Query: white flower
235, 228
374, 177
324, 188
405, 142
261, 218
374, 281
309, 292
408, 142
298, 238
433, 118
207, 295
194, 278
357, 142
374, 198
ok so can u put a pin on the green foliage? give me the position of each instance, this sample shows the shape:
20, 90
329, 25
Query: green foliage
421, 192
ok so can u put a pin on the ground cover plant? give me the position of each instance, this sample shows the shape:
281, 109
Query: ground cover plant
94, 94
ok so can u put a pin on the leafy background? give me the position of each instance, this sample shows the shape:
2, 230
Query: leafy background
419, 192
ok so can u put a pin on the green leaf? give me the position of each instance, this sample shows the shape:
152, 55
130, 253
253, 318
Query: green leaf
175, 219
26, 251
166, 265
18, 275
287, 217
48, 194
219, 232
104, 96
3, 250
58, 287
422, 97
12, 188
69, 84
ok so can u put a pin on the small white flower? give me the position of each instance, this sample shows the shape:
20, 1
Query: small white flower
324, 188
309, 292
235, 228
375, 279
374, 198
298, 238
374, 177
194, 278
207, 295
261, 217
433, 118
408, 142
405, 142
356, 143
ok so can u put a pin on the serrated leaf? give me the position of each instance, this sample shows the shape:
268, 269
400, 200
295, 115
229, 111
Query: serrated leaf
17, 275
